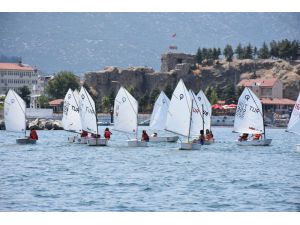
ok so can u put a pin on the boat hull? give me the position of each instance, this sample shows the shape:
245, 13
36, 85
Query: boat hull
72, 139
97, 142
25, 141
164, 139
189, 146
264, 142
137, 143
298, 147
81, 140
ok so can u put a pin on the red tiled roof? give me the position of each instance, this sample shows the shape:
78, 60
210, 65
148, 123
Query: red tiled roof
56, 102
277, 101
259, 82
15, 66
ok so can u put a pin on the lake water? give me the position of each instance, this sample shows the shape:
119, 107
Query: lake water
54, 175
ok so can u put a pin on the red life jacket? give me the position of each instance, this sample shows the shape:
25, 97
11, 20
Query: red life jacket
107, 134
33, 135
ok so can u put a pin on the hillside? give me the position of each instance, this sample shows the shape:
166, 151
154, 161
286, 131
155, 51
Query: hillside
220, 73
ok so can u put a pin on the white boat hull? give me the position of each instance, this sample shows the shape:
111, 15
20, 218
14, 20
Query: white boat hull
97, 142
81, 140
72, 139
263, 142
137, 143
25, 141
164, 139
189, 146
298, 147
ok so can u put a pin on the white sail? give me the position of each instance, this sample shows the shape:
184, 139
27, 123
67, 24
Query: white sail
248, 116
178, 119
206, 109
125, 112
197, 116
87, 112
160, 111
294, 123
14, 112
71, 118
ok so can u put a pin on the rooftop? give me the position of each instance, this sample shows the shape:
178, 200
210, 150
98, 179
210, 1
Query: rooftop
56, 102
15, 66
258, 82
277, 101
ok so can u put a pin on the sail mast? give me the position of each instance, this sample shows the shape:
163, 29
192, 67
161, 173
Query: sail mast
190, 121
202, 117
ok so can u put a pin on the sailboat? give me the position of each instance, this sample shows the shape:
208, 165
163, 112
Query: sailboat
125, 116
15, 117
205, 106
71, 118
159, 117
88, 117
294, 123
182, 119
249, 119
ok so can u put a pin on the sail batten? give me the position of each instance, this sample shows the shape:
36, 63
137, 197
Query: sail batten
248, 116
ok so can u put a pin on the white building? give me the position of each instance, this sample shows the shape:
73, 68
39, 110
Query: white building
17, 75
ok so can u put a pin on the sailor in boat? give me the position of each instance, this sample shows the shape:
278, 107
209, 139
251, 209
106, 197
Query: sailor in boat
257, 136
33, 134
201, 138
84, 134
243, 137
107, 133
209, 136
145, 136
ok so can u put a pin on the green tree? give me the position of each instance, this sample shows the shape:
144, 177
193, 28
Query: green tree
216, 54
43, 101
199, 56
264, 52
219, 92
208, 92
132, 90
58, 87
213, 97
205, 53
144, 102
112, 96
24, 93
105, 103
239, 51
153, 96
229, 94
228, 53
249, 52
274, 51
168, 91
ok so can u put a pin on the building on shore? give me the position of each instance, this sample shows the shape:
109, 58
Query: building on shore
16, 75
270, 92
